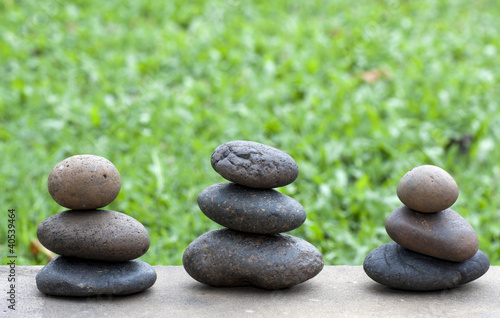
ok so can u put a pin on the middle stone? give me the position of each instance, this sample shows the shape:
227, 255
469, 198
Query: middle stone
444, 235
260, 211
94, 234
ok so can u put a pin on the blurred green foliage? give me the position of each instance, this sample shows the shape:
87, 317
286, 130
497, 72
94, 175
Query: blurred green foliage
358, 92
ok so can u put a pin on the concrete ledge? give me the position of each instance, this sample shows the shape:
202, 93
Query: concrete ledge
338, 291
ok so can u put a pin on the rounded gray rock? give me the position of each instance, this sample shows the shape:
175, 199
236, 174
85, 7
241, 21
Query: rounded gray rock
97, 234
397, 267
254, 164
228, 258
262, 211
427, 189
84, 182
68, 276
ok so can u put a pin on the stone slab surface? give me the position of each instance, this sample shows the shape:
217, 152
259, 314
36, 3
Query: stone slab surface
338, 291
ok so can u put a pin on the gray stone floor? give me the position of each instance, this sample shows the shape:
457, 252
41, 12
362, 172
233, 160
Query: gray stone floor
338, 291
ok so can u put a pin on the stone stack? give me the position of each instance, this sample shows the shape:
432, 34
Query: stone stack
435, 248
97, 247
251, 251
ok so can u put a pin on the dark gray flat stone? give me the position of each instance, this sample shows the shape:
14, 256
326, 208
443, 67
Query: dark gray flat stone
228, 258
262, 211
397, 267
254, 165
66, 276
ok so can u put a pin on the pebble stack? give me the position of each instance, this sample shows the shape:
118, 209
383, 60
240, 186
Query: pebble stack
434, 247
97, 248
252, 250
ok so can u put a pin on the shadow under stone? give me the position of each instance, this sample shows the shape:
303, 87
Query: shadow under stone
97, 298
381, 290
249, 290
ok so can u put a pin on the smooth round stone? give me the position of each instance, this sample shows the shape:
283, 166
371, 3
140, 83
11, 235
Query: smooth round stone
262, 211
228, 258
445, 235
84, 182
427, 189
254, 165
97, 234
397, 267
67, 276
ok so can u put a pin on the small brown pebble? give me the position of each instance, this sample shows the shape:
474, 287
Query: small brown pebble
84, 182
427, 189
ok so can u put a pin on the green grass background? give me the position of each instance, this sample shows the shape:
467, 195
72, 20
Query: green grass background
156, 86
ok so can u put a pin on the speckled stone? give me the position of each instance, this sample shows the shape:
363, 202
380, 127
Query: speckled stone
67, 276
84, 182
397, 267
262, 211
230, 258
427, 189
97, 234
254, 165
445, 235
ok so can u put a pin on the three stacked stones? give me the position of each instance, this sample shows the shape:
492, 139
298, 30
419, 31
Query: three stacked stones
97, 247
435, 248
251, 251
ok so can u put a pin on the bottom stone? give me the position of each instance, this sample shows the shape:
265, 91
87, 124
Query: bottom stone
397, 267
229, 258
69, 276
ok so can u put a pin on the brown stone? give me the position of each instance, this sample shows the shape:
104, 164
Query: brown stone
229, 258
445, 235
84, 182
98, 234
427, 189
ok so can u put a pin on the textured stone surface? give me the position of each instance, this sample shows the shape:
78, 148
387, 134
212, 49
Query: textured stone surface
84, 182
254, 165
230, 258
67, 276
262, 211
97, 234
397, 267
445, 235
427, 189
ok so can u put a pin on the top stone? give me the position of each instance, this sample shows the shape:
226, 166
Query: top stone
84, 182
427, 189
254, 165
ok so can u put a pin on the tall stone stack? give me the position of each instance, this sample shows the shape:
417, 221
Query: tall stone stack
435, 248
97, 247
251, 250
